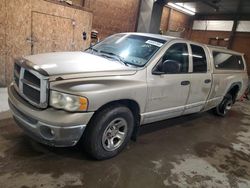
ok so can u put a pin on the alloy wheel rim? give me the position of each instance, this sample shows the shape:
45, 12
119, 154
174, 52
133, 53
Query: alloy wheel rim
115, 134
228, 107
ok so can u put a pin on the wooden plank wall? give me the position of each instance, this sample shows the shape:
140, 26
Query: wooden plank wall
78, 2
241, 43
3, 13
53, 39
203, 36
17, 29
15, 16
114, 16
165, 19
178, 20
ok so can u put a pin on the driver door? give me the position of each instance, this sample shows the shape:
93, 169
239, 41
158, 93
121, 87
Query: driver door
168, 90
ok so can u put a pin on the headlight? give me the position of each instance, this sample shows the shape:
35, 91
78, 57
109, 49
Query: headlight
68, 102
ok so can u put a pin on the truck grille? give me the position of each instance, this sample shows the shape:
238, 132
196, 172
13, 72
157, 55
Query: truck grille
31, 85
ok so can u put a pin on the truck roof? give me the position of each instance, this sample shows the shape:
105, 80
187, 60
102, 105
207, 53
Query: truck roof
223, 49
158, 36
170, 38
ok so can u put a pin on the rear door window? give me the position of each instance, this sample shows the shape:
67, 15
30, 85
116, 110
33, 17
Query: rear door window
199, 59
228, 61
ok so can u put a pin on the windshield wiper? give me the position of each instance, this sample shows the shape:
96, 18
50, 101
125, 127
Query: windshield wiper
113, 55
93, 49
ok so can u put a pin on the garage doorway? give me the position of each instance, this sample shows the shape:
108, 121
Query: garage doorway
50, 33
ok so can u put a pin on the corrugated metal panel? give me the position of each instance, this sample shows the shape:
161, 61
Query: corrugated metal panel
213, 25
243, 26
199, 25
221, 25
225, 6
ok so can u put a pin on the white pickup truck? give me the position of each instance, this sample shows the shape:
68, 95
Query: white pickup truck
101, 96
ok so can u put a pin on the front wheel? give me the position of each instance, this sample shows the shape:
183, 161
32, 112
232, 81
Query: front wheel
223, 108
109, 132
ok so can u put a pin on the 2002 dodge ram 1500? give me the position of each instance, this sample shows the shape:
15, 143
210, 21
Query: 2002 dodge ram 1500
102, 95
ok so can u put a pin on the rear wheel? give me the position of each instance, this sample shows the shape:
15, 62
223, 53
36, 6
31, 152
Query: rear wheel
223, 108
109, 132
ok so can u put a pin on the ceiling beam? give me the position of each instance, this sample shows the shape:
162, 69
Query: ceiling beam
206, 2
213, 5
236, 20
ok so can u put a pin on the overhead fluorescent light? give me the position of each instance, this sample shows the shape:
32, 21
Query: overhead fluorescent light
182, 8
184, 5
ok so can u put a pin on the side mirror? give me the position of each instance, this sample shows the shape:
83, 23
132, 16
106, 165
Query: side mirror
167, 67
171, 67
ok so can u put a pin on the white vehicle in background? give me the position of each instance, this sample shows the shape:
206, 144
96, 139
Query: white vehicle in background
101, 96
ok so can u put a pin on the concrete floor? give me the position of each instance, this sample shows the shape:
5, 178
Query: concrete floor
194, 151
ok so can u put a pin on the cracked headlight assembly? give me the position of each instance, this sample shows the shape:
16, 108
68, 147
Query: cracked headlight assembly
68, 102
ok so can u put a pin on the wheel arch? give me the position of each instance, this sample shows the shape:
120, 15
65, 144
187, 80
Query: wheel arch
132, 105
234, 90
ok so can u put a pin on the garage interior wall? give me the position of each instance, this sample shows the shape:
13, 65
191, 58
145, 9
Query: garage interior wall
114, 16
39, 26
22, 24
240, 42
173, 20
78, 2
178, 21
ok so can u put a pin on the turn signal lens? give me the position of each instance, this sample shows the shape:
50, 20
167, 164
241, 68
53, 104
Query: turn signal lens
83, 103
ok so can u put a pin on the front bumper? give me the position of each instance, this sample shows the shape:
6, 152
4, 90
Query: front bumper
50, 126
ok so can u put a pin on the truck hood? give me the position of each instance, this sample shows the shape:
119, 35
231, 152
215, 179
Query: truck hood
64, 64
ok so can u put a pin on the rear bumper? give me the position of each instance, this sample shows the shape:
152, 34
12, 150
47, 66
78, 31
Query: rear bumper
52, 127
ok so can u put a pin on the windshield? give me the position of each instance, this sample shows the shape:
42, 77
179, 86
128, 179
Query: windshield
128, 48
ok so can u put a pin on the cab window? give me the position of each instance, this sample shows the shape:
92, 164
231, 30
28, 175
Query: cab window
199, 59
175, 60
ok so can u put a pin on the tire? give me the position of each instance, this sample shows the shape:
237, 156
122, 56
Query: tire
103, 138
226, 104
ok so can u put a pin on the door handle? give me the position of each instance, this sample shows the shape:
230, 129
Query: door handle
184, 83
207, 81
